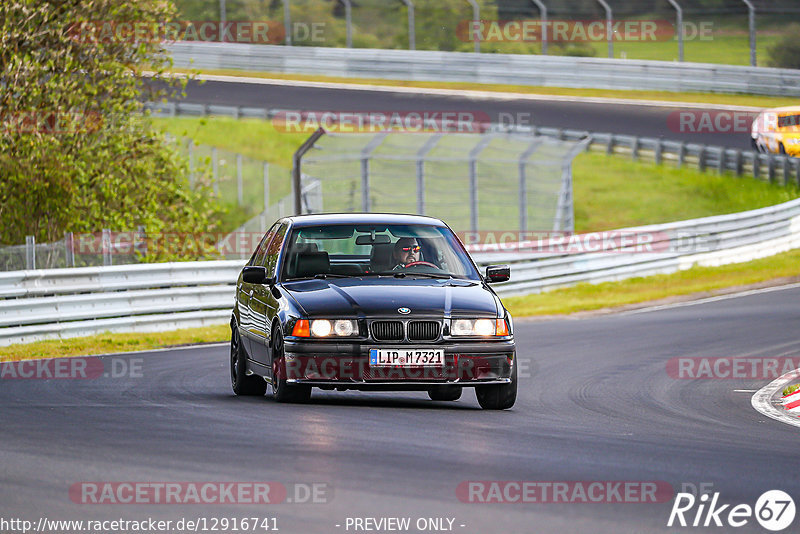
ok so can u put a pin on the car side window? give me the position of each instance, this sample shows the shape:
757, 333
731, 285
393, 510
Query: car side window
258, 257
273, 250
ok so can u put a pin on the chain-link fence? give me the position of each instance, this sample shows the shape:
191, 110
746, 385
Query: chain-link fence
474, 182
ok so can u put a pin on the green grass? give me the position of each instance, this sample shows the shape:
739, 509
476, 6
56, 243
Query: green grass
666, 96
587, 297
614, 192
791, 389
111, 343
725, 48
610, 191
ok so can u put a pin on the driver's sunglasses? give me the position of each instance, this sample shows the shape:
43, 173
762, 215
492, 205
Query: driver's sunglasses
415, 248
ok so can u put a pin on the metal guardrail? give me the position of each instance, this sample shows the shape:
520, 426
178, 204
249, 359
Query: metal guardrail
127, 298
511, 69
73, 302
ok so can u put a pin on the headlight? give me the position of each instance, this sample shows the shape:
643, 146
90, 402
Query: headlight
478, 327
335, 328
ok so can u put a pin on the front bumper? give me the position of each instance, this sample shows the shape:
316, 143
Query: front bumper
347, 365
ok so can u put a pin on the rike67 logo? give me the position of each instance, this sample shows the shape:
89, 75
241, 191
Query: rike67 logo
774, 510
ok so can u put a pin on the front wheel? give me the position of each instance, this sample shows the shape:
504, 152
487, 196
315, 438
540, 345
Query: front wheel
499, 396
242, 384
282, 391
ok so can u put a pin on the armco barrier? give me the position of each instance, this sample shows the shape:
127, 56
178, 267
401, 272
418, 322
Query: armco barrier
130, 298
512, 69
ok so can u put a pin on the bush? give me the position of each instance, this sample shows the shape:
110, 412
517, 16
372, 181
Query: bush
75, 152
786, 52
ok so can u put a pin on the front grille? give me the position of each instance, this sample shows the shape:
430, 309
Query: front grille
423, 330
387, 330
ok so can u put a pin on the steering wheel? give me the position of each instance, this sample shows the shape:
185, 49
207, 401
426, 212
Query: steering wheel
424, 263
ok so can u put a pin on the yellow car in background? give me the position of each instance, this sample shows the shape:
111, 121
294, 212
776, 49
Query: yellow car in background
777, 131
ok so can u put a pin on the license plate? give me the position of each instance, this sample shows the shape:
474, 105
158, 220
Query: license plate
407, 357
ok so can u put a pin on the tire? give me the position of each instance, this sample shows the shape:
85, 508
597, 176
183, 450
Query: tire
781, 149
281, 390
242, 384
498, 396
445, 393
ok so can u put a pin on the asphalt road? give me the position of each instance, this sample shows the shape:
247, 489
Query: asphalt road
596, 404
646, 121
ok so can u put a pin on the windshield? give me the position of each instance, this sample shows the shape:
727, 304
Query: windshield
375, 250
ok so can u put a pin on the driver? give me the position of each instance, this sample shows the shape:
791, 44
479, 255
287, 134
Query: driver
406, 251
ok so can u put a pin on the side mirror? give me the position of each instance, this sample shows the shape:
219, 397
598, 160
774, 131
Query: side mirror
498, 273
254, 275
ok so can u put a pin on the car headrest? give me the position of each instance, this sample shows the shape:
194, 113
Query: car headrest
380, 259
312, 263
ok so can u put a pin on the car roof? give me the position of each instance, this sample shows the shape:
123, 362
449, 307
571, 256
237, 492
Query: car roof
362, 218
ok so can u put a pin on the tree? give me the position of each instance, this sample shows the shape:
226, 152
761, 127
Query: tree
76, 154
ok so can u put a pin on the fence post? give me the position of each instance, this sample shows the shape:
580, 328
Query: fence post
609, 27
679, 21
658, 151
610, 146
797, 171
543, 11
287, 22
721, 162
739, 163
30, 252
476, 17
412, 30
751, 23
785, 165
523, 183
366, 154
701, 159
106, 241
239, 181
215, 167
635, 148
69, 249
348, 16
426, 148
771, 169
681, 154
223, 15
473, 181
756, 164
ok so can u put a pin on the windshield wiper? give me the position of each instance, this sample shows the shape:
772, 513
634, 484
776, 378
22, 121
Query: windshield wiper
322, 276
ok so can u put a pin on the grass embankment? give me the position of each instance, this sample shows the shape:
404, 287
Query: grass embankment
113, 343
757, 101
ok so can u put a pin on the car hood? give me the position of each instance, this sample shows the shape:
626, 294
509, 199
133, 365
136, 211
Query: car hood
354, 297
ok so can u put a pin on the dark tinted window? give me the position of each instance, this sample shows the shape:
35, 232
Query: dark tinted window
788, 121
258, 256
274, 250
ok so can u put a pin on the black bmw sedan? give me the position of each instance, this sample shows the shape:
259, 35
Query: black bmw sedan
370, 302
